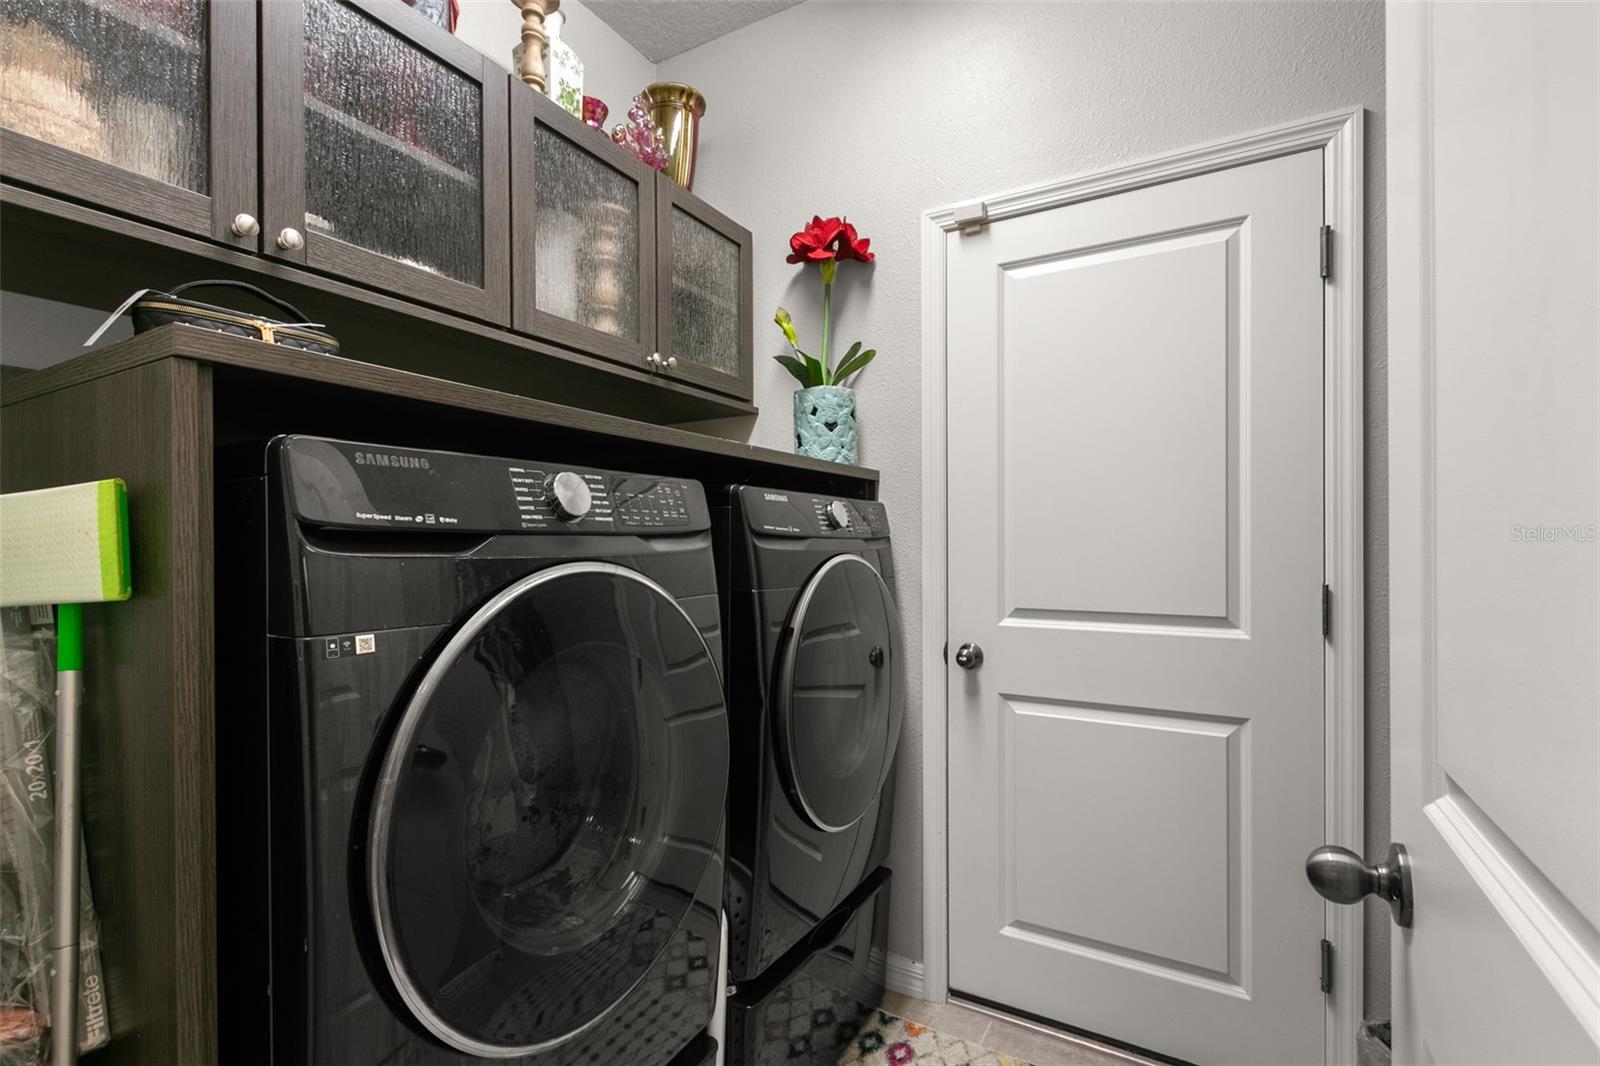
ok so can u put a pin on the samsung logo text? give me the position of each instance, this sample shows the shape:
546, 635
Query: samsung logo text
409, 462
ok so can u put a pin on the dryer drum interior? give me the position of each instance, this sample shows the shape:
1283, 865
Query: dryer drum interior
838, 693
532, 845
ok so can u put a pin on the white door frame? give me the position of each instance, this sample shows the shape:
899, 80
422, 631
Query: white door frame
1340, 135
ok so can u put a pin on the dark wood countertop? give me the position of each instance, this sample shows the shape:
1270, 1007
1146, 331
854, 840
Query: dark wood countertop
258, 360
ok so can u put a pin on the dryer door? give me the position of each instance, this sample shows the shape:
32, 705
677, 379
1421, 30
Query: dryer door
839, 694
548, 801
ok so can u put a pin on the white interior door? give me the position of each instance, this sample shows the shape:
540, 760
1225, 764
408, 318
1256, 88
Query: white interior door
1494, 402
1135, 540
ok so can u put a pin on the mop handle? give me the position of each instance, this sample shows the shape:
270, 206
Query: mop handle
64, 939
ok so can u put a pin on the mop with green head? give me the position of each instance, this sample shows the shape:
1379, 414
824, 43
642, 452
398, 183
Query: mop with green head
65, 546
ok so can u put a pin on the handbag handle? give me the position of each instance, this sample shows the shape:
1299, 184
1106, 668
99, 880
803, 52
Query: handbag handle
294, 312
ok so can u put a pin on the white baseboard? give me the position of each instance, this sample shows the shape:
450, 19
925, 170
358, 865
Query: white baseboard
904, 976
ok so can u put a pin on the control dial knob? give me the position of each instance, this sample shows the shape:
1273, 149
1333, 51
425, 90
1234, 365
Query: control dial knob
568, 495
837, 515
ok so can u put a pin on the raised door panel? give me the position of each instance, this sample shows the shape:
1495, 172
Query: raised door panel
583, 237
386, 153
1145, 382
703, 285
146, 107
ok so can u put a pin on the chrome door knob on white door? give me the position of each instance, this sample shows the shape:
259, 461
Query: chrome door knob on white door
1342, 876
969, 656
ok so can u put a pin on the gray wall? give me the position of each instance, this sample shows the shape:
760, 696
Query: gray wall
880, 110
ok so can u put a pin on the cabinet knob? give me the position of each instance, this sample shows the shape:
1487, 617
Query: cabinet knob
672, 362
290, 239
245, 225
654, 361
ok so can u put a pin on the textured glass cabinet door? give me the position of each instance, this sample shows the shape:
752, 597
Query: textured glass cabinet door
703, 283
582, 234
386, 161
135, 88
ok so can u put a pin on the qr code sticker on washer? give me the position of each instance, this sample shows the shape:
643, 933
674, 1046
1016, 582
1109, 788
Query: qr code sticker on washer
366, 644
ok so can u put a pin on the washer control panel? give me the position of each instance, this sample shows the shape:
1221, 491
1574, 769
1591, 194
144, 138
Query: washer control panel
782, 512
339, 483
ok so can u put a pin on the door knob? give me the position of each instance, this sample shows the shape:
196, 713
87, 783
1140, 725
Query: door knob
290, 240
969, 656
245, 225
1340, 875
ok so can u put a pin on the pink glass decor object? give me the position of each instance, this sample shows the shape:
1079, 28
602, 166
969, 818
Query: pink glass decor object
595, 112
640, 136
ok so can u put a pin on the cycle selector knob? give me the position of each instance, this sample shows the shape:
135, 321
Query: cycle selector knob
568, 495
837, 515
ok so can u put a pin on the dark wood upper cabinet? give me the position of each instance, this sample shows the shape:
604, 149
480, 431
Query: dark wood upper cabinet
384, 153
146, 109
703, 292
583, 235
358, 141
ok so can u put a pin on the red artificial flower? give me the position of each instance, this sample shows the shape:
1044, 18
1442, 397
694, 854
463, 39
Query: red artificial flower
849, 246
815, 243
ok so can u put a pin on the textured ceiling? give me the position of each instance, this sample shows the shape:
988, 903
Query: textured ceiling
661, 29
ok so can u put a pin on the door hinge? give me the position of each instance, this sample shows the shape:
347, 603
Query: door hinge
1325, 252
970, 217
946, 653
1327, 967
1327, 612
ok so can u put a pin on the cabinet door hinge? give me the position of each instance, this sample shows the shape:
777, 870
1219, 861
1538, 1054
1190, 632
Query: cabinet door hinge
1327, 967
1327, 612
1325, 252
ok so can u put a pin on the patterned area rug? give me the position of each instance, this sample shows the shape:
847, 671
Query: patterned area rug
885, 1040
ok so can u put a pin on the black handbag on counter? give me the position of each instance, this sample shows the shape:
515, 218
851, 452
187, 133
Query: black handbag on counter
150, 308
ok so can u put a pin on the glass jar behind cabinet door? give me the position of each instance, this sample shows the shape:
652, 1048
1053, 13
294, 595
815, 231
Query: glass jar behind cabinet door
584, 239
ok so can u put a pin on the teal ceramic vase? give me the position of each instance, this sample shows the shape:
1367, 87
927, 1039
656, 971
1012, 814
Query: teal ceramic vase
825, 423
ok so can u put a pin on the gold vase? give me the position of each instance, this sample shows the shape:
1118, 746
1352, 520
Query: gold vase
676, 109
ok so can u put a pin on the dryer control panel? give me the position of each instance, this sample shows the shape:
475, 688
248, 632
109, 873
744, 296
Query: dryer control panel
365, 486
781, 512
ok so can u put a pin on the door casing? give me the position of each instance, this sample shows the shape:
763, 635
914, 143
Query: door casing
1340, 136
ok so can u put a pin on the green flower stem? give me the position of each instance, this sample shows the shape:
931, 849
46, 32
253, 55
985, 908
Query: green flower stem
828, 269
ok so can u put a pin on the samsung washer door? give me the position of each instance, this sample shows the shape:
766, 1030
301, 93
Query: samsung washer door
547, 804
839, 696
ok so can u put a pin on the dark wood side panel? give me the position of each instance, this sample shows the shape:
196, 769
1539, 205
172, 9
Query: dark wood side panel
149, 776
496, 195
283, 130
234, 141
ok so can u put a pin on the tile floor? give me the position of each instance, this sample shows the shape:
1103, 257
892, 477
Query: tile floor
1037, 1046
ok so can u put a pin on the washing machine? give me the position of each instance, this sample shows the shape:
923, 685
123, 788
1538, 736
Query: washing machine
472, 759
816, 695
